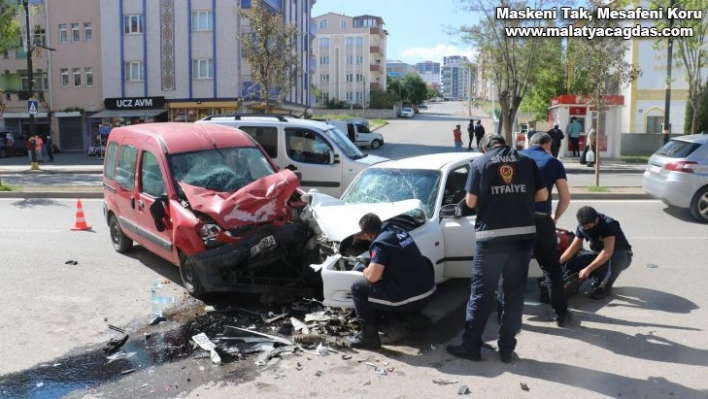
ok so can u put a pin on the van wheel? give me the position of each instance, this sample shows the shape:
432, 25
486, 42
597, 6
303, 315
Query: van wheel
190, 278
121, 242
699, 205
376, 144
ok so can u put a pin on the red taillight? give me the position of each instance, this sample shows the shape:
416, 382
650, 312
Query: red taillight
680, 166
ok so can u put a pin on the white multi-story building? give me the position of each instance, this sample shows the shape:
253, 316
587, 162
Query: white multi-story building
351, 57
455, 77
429, 71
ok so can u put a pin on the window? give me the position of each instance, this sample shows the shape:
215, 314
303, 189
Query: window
349, 41
75, 33
359, 77
343, 23
350, 77
40, 35
266, 136
350, 59
359, 59
110, 168
76, 72
64, 73
349, 96
307, 146
323, 24
324, 96
654, 124
134, 71
88, 32
89, 76
455, 186
133, 24
324, 60
359, 96
324, 78
151, 181
359, 41
202, 20
324, 42
126, 167
203, 68
62, 33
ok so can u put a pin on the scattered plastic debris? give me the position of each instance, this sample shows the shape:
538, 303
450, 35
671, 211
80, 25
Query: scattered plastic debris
464, 390
441, 381
271, 337
157, 320
346, 357
299, 325
318, 373
125, 372
71, 262
114, 345
40, 384
203, 341
652, 266
298, 366
273, 318
525, 387
321, 316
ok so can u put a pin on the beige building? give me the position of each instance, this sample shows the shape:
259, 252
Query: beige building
351, 57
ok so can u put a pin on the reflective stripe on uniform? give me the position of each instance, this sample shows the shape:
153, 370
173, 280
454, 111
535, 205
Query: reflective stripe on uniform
405, 301
511, 231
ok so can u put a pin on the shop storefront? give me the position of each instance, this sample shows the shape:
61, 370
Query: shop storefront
193, 110
126, 111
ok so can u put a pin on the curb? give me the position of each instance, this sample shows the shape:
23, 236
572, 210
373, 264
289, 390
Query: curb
51, 172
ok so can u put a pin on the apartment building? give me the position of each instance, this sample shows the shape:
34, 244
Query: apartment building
429, 71
455, 77
351, 57
399, 69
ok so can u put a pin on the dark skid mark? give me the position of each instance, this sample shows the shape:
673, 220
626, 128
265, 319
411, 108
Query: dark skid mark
91, 368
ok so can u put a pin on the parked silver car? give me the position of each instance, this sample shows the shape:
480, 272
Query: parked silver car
677, 174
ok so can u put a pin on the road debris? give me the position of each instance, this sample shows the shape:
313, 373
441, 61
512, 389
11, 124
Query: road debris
299, 325
203, 341
464, 390
441, 381
125, 372
71, 262
113, 345
346, 357
525, 387
271, 318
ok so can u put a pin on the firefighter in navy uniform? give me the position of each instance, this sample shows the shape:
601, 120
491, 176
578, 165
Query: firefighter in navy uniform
398, 278
504, 186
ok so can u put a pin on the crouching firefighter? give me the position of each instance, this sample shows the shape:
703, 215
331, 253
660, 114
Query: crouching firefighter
397, 279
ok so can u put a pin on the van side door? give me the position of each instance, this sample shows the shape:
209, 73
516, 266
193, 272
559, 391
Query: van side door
267, 137
363, 136
458, 232
313, 156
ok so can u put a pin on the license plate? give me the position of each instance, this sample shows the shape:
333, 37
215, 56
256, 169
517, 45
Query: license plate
263, 244
654, 169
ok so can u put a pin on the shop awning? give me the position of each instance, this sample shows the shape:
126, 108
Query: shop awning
128, 113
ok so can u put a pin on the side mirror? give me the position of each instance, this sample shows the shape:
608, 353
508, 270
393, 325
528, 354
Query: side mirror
158, 213
449, 211
333, 158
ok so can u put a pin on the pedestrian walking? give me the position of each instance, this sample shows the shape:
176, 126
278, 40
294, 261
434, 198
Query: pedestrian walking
545, 249
589, 152
574, 136
470, 134
49, 145
9, 144
504, 186
457, 136
479, 133
557, 136
397, 278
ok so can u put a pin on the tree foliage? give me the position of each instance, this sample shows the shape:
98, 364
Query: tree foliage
601, 62
9, 33
549, 82
513, 63
269, 48
380, 99
415, 88
701, 121
691, 52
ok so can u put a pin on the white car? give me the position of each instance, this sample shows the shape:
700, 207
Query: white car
407, 112
419, 194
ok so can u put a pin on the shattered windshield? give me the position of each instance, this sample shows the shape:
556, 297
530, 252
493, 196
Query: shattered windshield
390, 185
343, 142
220, 169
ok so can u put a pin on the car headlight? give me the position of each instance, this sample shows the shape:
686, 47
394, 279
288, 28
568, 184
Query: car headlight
209, 231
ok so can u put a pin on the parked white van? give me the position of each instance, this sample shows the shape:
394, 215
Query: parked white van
359, 134
319, 153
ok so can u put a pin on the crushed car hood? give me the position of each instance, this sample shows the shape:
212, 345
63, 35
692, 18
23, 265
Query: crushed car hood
261, 201
339, 220
372, 159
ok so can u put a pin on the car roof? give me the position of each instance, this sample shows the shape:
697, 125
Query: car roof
180, 137
437, 161
693, 138
245, 120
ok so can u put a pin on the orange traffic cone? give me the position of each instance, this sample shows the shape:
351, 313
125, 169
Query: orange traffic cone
80, 220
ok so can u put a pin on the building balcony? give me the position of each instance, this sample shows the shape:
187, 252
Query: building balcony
375, 68
376, 31
376, 86
376, 49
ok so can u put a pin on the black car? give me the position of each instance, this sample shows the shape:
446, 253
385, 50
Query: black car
19, 146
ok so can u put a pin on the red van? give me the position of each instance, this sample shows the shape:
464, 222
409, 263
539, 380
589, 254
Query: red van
208, 199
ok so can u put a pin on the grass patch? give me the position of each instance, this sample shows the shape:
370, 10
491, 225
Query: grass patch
5, 188
374, 123
598, 189
639, 159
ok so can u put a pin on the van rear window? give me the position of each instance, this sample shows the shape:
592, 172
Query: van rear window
110, 165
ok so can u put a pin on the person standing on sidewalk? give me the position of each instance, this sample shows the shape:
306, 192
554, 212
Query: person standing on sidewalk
457, 136
574, 136
557, 136
479, 133
504, 186
470, 134
545, 249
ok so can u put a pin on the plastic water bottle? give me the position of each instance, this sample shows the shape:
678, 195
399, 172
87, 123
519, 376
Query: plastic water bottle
159, 302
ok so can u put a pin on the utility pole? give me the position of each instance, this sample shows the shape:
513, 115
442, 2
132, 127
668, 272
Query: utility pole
667, 97
34, 165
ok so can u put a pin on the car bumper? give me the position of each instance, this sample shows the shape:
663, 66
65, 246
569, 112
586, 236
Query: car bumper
267, 262
337, 280
674, 189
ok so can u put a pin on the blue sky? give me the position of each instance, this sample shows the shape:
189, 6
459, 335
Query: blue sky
416, 28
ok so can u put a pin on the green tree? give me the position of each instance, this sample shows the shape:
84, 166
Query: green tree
9, 33
702, 124
601, 62
395, 87
269, 48
549, 82
415, 88
380, 99
513, 62
691, 50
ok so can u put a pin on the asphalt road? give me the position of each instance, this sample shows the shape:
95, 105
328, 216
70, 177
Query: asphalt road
647, 342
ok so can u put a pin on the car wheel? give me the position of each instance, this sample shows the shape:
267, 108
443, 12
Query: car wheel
121, 242
376, 144
190, 278
699, 205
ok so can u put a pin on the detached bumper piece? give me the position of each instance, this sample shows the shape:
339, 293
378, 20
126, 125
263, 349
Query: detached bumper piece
270, 261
